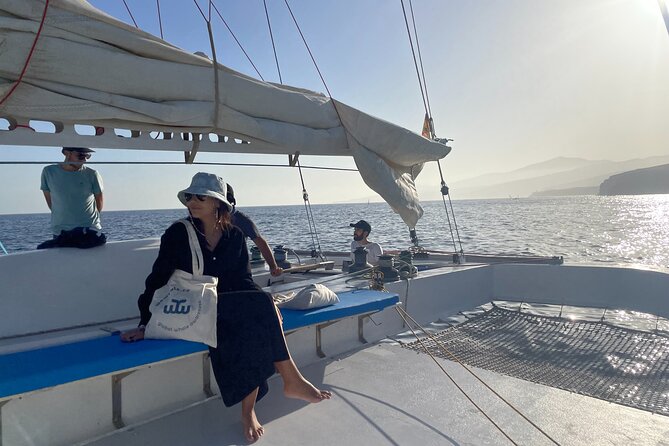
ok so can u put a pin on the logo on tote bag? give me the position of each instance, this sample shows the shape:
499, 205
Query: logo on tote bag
177, 308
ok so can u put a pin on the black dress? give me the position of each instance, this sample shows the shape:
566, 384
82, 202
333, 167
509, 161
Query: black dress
250, 337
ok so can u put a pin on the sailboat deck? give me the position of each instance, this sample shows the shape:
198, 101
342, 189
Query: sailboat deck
385, 394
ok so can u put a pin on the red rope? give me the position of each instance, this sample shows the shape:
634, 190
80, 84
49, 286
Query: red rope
24, 127
30, 55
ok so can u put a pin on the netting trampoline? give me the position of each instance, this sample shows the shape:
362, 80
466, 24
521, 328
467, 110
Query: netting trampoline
593, 358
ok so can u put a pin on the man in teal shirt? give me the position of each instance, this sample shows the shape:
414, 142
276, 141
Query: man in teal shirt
73, 192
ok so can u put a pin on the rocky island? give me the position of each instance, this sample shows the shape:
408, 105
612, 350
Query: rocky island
651, 180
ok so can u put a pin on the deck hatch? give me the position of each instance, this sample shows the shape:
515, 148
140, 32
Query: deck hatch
597, 359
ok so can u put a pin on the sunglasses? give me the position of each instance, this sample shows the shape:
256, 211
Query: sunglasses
83, 156
189, 197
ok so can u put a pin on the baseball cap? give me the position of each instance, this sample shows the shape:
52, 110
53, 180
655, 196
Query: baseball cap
79, 149
362, 224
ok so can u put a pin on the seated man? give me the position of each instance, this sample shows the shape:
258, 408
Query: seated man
243, 222
360, 234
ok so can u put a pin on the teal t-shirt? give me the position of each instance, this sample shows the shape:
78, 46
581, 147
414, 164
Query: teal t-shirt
72, 197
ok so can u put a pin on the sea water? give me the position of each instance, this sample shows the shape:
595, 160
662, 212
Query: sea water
621, 229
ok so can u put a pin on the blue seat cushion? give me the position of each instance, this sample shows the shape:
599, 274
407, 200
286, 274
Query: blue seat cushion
350, 303
31, 370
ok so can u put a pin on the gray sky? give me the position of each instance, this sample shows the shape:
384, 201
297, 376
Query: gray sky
513, 82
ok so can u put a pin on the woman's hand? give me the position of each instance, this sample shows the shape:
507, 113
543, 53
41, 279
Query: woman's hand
136, 334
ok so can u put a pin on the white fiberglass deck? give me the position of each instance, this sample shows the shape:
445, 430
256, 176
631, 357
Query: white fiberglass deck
385, 394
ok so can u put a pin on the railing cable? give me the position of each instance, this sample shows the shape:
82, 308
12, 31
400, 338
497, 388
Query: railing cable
176, 163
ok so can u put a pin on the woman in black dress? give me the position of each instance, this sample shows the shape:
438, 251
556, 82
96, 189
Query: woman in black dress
251, 344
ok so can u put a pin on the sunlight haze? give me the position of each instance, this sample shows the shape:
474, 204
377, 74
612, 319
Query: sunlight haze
512, 82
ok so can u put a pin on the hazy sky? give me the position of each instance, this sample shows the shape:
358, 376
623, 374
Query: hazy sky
513, 82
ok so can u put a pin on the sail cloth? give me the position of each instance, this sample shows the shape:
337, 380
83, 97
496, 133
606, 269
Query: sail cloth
90, 68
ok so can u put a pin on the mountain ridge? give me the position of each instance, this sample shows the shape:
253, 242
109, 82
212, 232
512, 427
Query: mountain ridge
555, 173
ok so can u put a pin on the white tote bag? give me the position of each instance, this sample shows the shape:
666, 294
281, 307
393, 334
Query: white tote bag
186, 307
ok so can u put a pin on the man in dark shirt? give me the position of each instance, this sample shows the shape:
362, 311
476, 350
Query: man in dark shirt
243, 222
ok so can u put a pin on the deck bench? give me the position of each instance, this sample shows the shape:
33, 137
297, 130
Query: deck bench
33, 370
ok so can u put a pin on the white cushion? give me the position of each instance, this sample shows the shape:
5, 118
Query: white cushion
310, 297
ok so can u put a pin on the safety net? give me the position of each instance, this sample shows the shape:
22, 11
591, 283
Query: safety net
594, 358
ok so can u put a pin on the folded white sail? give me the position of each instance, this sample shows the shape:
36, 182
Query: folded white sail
91, 68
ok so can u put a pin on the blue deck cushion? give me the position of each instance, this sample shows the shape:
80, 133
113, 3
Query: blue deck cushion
51, 366
42, 368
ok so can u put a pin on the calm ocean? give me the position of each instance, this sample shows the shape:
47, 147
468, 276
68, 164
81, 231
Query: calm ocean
625, 229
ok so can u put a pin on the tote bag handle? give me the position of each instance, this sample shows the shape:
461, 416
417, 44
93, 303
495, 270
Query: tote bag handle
197, 258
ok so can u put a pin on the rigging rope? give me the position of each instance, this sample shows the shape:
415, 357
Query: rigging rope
313, 59
415, 62
3, 248
448, 217
315, 242
30, 55
422, 82
236, 40
130, 13
400, 310
444, 193
309, 50
332, 101
271, 36
190, 156
160, 20
420, 59
217, 93
200, 9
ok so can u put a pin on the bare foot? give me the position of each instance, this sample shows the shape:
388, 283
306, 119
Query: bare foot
304, 390
252, 428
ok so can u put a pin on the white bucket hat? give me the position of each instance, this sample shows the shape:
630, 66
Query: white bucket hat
206, 184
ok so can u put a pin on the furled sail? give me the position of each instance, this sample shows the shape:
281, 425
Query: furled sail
90, 68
